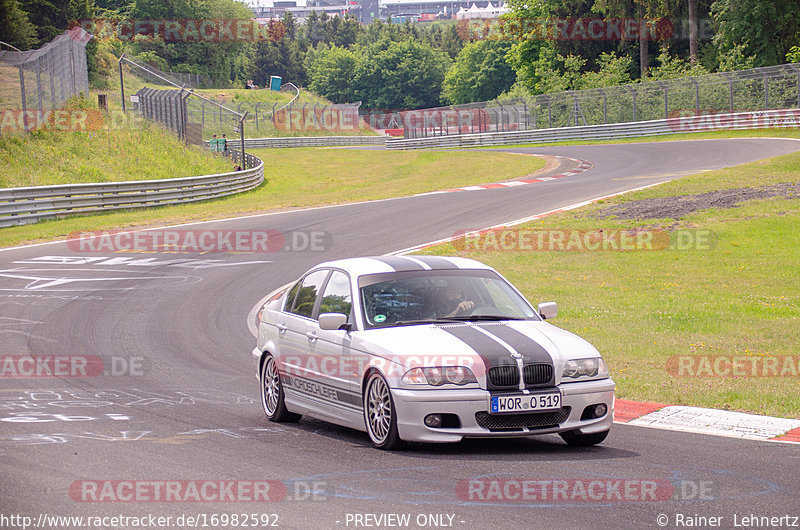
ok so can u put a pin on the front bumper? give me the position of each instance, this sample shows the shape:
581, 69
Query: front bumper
413, 405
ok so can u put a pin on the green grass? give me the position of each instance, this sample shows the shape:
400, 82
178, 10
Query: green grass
59, 157
302, 177
640, 308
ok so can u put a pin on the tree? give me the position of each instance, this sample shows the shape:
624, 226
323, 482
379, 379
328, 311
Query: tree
479, 73
400, 75
692, 4
330, 73
647, 12
52, 17
556, 73
613, 70
767, 28
15, 28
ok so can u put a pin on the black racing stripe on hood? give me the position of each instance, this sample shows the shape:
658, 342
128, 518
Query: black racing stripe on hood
491, 352
400, 264
436, 262
532, 351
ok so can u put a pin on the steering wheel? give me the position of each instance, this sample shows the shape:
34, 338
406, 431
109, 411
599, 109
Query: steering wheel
482, 310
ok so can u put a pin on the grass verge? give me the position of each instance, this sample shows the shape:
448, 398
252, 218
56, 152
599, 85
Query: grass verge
107, 155
641, 308
303, 177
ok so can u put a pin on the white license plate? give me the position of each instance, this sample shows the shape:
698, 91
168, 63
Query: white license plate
526, 402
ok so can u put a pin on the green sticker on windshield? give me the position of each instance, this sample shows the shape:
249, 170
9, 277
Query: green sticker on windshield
380, 318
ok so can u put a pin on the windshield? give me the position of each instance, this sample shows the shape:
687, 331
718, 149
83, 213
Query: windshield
420, 297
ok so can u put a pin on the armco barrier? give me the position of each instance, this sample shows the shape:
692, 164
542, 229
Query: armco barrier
680, 124
310, 141
28, 205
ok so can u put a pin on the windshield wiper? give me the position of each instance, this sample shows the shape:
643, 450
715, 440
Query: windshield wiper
426, 321
484, 317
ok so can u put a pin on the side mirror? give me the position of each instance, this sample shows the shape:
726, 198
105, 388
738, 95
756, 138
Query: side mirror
332, 321
548, 310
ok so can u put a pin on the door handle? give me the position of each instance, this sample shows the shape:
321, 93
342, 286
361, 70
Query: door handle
311, 336
282, 328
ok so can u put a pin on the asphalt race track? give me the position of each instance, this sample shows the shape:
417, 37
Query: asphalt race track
182, 402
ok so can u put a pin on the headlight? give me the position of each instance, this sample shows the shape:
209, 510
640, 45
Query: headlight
439, 375
592, 368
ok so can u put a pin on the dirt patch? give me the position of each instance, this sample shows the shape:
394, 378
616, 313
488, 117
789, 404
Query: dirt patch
680, 205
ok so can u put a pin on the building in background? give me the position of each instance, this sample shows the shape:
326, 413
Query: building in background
366, 11
265, 10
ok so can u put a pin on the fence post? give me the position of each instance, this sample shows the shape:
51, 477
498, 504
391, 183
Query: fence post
605, 105
766, 93
121, 82
549, 112
793, 67
696, 94
730, 86
666, 100
256, 111
24, 102
525, 112
39, 83
241, 133
52, 72
633, 91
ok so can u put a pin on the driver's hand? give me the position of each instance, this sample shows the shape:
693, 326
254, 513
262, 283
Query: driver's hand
465, 306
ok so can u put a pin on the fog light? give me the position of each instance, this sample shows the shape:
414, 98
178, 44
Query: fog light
433, 420
600, 410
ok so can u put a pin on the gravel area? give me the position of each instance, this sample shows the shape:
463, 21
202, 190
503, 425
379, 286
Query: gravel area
677, 206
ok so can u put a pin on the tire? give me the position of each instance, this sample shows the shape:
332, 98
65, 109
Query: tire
380, 414
583, 440
272, 400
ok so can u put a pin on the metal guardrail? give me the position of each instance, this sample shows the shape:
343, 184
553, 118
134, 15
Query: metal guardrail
28, 205
312, 141
680, 124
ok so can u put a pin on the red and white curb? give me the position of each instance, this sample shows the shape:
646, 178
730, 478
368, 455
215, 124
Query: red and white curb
707, 421
583, 165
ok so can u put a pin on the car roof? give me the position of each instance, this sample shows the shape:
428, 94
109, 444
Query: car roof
379, 264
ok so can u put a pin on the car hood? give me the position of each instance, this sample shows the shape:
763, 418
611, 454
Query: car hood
478, 345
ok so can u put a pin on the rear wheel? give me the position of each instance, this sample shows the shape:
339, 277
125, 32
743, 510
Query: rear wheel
272, 393
575, 439
380, 414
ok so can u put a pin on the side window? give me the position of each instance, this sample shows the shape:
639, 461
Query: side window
337, 298
292, 294
303, 304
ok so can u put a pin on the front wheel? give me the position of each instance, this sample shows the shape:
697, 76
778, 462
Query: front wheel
583, 440
380, 414
272, 393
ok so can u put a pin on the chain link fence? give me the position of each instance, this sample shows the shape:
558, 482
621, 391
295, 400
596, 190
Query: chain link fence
35, 81
180, 108
767, 88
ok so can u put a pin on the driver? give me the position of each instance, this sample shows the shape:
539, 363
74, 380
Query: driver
453, 303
